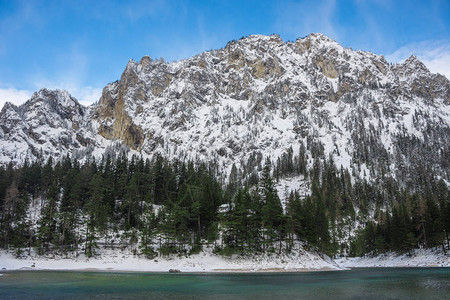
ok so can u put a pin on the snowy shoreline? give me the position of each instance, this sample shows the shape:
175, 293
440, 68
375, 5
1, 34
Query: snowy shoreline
417, 258
207, 262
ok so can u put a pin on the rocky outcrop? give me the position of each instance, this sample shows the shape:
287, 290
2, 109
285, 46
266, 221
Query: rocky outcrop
112, 110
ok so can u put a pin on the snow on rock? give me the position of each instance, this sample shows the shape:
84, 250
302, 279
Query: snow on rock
292, 184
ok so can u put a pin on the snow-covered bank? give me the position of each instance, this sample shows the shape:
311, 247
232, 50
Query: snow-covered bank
417, 258
206, 261
115, 260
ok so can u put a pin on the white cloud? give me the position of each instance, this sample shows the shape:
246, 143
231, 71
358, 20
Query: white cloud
86, 95
434, 54
14, 96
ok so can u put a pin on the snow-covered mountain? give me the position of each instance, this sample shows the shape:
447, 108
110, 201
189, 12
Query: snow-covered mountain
255, 98
51, 123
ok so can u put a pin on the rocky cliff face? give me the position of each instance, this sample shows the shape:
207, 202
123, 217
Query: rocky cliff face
254, 98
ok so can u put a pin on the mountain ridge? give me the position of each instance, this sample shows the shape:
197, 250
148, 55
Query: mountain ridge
255, 98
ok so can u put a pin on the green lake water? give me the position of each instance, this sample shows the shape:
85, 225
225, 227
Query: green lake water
383, 283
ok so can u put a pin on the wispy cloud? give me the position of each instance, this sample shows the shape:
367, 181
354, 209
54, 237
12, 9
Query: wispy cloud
370, 32
14, 96
300, 18
73, 68
434, 54
137, 10
26, 15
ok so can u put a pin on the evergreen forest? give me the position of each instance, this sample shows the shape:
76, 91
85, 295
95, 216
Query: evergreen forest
161, 207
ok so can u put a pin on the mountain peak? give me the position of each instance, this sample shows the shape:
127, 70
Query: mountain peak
61, 97
262, 37
321, 39
145, 60
8, 106
415, 62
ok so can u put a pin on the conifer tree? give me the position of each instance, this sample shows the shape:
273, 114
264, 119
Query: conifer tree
148, 231
272, 211
47, 236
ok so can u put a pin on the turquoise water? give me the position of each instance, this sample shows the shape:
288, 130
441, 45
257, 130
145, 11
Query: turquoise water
389, 283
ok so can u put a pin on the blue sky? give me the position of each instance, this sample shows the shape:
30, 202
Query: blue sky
81, 45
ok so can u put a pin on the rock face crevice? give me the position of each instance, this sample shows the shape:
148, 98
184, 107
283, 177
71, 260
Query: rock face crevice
113, 110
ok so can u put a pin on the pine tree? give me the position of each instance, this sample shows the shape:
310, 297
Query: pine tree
272, 211
148, 231
322, 227
47, 236
21, 233
433, 224
97, 211
9, 211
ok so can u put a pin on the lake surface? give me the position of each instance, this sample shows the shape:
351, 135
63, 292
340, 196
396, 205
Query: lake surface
388, 283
